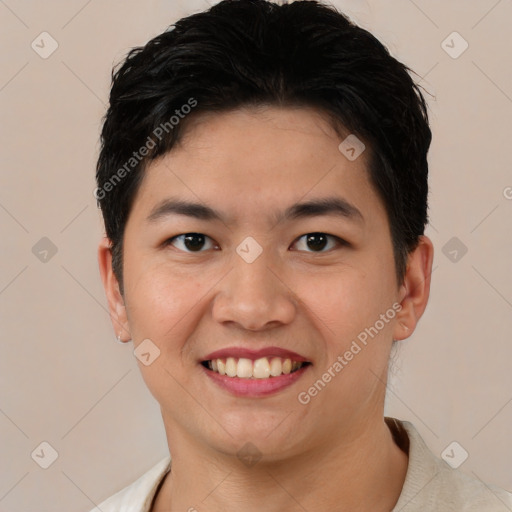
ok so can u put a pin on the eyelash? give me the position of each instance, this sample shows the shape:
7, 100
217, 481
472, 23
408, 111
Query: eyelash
339, 241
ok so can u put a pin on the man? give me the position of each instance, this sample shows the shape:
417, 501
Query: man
263, 181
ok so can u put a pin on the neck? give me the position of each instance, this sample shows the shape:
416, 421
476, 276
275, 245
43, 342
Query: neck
364, 471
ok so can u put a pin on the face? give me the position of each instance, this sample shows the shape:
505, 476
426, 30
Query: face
251, 273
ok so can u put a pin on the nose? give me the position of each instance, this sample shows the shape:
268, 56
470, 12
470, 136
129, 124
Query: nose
254, 296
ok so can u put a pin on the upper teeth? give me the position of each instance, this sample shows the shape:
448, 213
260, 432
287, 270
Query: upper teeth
258, 369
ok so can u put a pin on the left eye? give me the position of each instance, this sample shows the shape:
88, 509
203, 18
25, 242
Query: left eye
319, 241
193, 242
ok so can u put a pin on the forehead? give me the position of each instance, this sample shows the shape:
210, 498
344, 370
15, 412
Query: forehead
249, 161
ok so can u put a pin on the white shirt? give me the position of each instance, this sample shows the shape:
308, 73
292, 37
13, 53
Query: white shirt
431, 485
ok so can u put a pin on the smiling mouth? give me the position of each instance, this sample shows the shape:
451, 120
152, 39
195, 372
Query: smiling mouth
263, 368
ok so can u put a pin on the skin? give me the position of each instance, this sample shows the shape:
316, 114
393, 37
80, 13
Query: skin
335, 452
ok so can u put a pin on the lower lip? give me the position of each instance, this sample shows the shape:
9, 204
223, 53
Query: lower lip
255, 387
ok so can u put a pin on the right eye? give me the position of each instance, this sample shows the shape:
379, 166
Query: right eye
190, 242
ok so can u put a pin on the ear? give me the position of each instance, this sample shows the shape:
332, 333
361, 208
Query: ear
415, 290
116, 304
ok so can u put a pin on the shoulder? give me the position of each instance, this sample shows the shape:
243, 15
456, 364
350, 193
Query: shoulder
137, 497
432, 485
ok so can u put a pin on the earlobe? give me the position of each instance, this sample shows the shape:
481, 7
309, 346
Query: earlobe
115, 300
415, 290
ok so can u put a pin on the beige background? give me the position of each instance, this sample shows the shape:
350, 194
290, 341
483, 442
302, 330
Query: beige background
64, 379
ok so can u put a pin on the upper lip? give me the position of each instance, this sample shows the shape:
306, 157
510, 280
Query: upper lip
247, 353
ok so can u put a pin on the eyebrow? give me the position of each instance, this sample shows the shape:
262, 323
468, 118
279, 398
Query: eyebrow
336, 206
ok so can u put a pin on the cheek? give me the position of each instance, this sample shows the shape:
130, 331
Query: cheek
158, 298
339, 299
163, 306
346, 304
346, 308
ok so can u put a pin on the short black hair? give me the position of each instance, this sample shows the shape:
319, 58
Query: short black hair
243, 53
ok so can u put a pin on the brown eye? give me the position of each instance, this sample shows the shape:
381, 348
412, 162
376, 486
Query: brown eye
191, 242
317, 242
